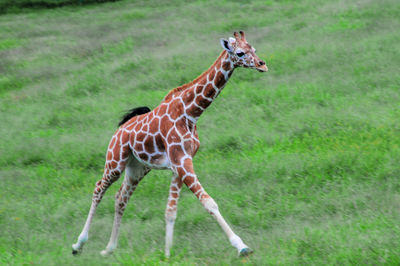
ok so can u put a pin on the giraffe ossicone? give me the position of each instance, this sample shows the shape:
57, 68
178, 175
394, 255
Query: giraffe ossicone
166, 138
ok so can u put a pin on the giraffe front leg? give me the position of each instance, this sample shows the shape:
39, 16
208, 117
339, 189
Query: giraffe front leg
170, 212
188, 176
211, 206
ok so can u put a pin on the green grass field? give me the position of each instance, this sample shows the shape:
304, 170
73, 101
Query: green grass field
303, 160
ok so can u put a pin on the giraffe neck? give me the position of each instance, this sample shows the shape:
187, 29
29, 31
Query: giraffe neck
204, 89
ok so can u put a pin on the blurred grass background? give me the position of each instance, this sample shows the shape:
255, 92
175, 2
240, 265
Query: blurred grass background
15, 6
303, 161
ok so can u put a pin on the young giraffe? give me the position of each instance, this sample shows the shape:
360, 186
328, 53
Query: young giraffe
166, 138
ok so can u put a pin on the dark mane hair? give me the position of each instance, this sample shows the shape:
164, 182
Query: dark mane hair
134, 112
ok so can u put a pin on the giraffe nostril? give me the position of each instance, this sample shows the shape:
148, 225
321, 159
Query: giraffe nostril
261, 63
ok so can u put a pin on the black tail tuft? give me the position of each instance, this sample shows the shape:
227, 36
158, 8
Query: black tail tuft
134, 112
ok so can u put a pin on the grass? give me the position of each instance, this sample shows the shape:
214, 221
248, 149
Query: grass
15, 6
303, 161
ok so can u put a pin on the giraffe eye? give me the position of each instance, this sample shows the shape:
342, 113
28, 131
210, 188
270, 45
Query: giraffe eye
240, 54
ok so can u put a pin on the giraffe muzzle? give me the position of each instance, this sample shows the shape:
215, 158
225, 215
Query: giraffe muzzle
262, 68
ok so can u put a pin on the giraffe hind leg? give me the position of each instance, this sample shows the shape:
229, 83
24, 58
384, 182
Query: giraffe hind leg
135, 171
112, 172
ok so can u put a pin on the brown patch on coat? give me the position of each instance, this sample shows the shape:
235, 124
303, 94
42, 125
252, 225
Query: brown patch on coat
220, 80
173, 137
125, 137
159, 143
189, 180
143, 156
175, 154
199, 89
188, 164
140, 136
181, 172
173, 189
176, 109
181, 126
189, 96
113, 164
138, 147
203, 102
172, 204
226, 66
209, 91
211, 75
195, 188
154, 125
188, 146
112, 143
149, 144
194, 111
151, 115
165, 125
138, 126
130, 127
162, 109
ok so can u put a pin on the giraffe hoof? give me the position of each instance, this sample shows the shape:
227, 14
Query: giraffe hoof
76, 251
105, 253
244, 252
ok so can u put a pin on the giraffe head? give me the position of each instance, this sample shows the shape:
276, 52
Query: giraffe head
242, 53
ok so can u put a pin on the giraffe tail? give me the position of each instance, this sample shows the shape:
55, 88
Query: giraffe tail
134, 112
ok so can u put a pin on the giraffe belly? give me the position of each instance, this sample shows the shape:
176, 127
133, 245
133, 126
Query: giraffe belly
154, 161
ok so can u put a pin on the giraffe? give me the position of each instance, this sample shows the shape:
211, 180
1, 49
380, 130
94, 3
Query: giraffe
166, 138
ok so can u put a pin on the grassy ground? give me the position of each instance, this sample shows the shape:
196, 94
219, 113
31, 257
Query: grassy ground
14, 6
303, 160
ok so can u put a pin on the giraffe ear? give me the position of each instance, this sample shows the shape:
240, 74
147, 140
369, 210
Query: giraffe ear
225, 44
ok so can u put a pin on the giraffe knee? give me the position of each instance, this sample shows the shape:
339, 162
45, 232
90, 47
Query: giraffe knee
118, 194
210, 205
120, 202
170, 215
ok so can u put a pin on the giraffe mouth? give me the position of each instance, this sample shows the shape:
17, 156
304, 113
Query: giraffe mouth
262, 68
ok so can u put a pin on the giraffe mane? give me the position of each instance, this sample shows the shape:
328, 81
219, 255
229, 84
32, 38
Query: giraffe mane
175, 90
196, 80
